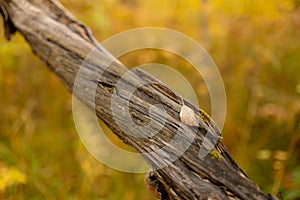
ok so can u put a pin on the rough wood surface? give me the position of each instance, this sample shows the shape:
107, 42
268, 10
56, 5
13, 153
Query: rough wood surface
63, 43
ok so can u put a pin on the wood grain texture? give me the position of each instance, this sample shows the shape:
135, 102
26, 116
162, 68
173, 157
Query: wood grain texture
63, 43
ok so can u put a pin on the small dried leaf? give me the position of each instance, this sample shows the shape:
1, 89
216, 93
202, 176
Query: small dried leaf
188, 116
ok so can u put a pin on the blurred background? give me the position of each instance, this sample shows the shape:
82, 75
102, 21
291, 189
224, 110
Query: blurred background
256, 46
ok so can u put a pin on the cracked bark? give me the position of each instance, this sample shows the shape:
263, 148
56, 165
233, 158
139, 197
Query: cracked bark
63, 43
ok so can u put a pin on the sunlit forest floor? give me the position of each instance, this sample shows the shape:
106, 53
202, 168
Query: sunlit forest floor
256, 46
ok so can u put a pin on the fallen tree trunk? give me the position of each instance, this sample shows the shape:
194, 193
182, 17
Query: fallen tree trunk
63, 43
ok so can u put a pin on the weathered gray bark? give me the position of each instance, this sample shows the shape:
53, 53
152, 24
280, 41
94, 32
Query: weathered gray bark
62, 44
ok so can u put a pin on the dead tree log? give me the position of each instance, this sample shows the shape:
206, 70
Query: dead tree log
63, 43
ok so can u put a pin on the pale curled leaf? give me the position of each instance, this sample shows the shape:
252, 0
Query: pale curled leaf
188, 116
